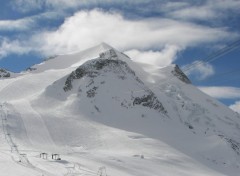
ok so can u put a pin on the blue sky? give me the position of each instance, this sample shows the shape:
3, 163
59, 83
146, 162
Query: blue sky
159, 32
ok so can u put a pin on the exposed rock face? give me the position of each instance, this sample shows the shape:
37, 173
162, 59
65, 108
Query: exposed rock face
31, 69
149, 100
180, 75
4, 73
234, 144
110, 54
93, 69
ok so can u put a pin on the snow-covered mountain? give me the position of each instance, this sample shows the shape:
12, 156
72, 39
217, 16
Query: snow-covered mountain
105, 114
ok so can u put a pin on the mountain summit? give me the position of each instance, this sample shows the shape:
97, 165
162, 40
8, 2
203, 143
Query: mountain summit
98, 112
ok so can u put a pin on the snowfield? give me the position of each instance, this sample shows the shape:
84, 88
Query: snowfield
97, 112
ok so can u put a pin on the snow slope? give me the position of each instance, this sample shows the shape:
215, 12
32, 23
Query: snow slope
105, 114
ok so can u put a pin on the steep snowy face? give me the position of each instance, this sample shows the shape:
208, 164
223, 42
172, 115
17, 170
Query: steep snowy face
4, 73
195, 110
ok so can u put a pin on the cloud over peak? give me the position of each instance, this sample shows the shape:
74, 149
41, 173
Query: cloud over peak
87, 28
161, 58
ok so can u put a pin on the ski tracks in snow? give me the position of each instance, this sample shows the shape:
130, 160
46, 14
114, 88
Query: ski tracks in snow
16, 156
36, 129
32, 118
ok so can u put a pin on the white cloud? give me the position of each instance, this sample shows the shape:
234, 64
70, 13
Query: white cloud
222, 92
88, 28
49, 15
204, 10
224, 4
31, 5
160, 58
64, 3
20, 24
27, 5
235, 106
12, 47
174, 5
201, 70
187, 9
194, 13
30, 22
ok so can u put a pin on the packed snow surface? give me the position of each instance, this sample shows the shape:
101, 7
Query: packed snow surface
97, 112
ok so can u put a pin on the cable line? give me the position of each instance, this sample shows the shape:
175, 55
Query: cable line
232, 46
221, 75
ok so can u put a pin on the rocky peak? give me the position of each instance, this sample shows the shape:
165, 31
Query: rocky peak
180, 75
109, 54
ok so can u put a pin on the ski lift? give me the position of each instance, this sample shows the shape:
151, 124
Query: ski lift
56, 156
43, 155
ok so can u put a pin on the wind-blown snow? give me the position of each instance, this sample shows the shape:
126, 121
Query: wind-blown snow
104, 113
